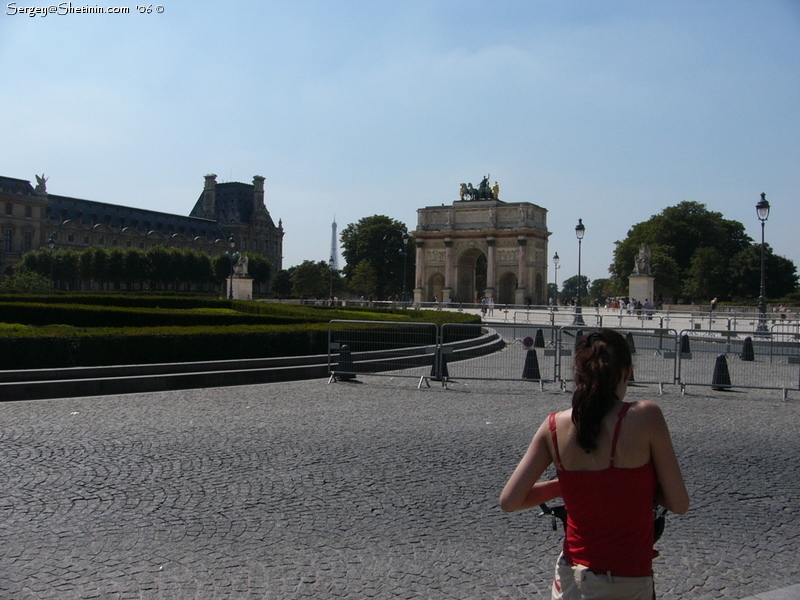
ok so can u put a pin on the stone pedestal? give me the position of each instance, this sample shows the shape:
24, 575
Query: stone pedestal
242, 288
641, 287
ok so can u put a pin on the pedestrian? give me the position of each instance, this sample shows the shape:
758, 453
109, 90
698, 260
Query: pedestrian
614, 460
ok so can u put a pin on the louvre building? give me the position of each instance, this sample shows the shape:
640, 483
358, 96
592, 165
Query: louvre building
31, 217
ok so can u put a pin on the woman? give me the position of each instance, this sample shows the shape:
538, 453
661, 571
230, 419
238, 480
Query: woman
614, 460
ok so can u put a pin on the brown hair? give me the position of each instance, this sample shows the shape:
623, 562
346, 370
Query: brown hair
601, 358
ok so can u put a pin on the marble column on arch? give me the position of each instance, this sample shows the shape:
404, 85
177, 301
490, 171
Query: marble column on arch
491, 259
447, 292
521, 281
419, 287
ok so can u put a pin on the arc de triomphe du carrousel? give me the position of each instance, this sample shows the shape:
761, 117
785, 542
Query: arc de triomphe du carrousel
481, 246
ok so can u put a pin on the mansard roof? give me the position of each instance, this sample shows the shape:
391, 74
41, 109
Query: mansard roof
233, 203
19, 187
89, 212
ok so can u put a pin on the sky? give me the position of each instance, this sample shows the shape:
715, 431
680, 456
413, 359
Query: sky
608, 111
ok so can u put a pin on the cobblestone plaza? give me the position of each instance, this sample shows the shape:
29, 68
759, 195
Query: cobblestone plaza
369, 489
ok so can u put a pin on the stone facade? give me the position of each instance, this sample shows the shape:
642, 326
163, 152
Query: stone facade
31, 215
511, 237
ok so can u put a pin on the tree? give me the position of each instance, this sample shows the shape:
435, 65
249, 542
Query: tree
364, 280
708, 275
258, 268
312, 279
600, 290
780, 274
569, 289
674, 236
26, 280
281, 284
378, 240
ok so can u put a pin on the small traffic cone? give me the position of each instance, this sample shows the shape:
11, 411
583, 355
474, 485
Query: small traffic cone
722, 377
531, 369
686, 351
747, 350
538, 341
631, 345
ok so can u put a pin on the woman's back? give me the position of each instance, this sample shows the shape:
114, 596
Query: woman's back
632, 447
609, 506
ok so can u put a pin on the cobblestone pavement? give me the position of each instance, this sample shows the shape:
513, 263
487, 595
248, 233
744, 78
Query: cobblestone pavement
372, 489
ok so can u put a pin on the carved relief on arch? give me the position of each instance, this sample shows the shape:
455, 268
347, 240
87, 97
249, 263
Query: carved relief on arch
433, 255
510, 255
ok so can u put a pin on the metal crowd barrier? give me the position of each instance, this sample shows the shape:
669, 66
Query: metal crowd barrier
543, 352
653, 352
739, 359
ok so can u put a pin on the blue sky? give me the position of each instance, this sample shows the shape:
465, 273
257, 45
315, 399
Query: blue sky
608, 111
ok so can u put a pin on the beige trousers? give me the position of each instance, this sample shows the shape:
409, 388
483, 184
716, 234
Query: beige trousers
579, 582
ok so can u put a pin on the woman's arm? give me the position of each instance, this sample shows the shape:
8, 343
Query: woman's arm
524, 490
671, 492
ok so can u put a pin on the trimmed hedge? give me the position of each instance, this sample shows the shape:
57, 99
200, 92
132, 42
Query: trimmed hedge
94, 330
141, 346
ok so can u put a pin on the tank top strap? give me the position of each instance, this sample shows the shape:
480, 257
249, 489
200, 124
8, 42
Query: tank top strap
620, 416
559, 466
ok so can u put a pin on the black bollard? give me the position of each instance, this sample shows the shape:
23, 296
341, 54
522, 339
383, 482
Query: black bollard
747, 350
345, 370
531, 369
631, 345
722, 377
538, 341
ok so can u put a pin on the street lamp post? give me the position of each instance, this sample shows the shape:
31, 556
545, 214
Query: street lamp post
405, 261
579, 231
232, 243
52, 243
762, 210
556, 260
330, 273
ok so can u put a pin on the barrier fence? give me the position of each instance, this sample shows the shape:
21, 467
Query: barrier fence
543, 352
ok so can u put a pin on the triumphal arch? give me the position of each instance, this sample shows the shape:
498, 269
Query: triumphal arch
481, 246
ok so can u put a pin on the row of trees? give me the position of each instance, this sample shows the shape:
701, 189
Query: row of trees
158, 268
698, 254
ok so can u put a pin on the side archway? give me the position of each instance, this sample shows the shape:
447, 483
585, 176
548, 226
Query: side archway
507, 287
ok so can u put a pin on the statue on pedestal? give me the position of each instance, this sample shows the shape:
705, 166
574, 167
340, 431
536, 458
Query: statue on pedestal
642, 261
240, 268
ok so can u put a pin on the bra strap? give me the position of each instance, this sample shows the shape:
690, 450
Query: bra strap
555, 440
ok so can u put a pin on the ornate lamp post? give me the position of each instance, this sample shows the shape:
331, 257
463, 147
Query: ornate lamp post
762, 210
405, 261
232, 243
579, 231
556, 260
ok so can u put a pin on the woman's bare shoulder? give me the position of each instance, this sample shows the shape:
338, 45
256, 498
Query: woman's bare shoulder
646, 412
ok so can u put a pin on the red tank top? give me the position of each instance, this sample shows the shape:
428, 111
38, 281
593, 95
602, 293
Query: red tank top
609, 514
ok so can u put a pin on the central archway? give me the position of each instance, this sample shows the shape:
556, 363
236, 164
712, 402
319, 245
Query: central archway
468, 274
